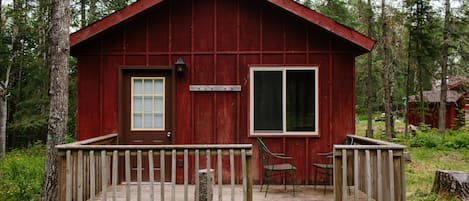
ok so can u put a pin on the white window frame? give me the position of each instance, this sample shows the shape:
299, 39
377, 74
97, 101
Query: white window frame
284, 131
132, 95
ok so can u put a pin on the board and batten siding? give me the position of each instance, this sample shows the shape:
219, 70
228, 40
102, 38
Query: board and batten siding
219, 40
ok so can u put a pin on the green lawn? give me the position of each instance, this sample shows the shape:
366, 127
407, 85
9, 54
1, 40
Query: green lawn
426, 159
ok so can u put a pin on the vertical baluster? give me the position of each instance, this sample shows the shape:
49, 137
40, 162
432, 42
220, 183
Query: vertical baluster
127, 175
103, 175
197, 182
80, 176
208, 157
92, 176
391, 174
173, 175
162, 173
151, 173
114, 174
368, 174
355, 173
186, 174
69, 176
232, 174
220, 175
380, 174
245, 174
344, 174
139, 175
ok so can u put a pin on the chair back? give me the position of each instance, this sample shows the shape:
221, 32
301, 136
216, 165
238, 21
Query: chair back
264, 152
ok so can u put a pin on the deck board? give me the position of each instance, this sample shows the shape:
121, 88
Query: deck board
276, 192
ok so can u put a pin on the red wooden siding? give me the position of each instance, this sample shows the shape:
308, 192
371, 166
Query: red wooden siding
219, 40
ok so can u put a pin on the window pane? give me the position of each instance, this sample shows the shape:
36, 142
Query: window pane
268, 101
137, 104
301, 100
147, 121
159, 86
137, 86
148, 86
158, 120
137, 121
147, 104
159, 104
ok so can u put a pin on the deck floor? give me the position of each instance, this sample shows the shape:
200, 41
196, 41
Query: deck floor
276, 192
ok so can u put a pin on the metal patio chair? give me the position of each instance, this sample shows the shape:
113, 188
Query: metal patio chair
274, 163
323, 165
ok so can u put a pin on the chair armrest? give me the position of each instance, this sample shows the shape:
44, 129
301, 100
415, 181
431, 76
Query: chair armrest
325, 154
281, 156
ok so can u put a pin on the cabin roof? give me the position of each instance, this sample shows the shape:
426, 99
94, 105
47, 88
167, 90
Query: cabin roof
362, 41
434, 96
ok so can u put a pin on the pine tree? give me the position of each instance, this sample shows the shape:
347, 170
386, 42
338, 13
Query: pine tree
58, 95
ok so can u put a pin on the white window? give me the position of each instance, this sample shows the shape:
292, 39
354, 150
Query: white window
147, 103
284, 100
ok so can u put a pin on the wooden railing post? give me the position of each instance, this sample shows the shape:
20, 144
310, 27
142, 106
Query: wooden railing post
378, 170
90, 167
62, 181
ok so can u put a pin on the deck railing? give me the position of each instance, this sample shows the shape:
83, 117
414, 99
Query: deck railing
89, 167
369, 169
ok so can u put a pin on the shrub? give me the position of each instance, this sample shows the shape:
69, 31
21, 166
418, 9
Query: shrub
451, 140
21, 174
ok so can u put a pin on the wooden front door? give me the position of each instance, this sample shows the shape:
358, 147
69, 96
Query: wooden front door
147, 115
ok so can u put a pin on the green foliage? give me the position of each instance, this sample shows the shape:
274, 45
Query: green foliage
21, 174
451, 140
338, 10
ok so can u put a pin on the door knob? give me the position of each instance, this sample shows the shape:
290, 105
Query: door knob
169, 134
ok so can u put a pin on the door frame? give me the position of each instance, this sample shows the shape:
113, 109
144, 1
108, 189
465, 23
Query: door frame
122, 69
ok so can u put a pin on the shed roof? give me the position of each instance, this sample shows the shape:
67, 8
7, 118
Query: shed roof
309, 15
434, 96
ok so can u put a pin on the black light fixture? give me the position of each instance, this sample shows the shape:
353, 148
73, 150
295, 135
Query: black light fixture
180, 67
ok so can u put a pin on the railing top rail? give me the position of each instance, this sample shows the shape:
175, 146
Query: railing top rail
373, 147
73, 146
370, 141
92, 140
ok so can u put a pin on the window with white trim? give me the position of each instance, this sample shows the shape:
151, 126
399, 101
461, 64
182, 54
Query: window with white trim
148, 103
284, 100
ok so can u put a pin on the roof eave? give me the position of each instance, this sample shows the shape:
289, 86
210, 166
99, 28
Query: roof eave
365, 43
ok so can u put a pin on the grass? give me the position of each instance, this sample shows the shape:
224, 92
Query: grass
21, 174
426, 157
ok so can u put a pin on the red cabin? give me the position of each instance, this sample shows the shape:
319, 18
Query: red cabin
219, 72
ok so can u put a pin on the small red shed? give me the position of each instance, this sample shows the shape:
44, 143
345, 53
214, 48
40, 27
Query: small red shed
454, 108
269, 68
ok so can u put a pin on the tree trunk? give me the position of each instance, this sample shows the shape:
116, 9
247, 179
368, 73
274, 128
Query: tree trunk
369, 130
3, 122
452, 182
386, 72
3, 103
4, 90
444, 67
92, 13
419, 62
83, 13
58, 113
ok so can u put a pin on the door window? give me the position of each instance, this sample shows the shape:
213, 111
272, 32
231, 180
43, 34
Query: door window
147, 103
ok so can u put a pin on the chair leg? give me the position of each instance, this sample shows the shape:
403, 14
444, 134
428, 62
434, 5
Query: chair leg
293, 182
262, 181
326, 179
285, 181
268, 183
315, 178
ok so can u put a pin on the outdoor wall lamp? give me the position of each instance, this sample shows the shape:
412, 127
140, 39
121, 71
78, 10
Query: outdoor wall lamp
180, 67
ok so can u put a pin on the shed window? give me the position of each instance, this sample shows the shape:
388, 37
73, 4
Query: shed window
284, 100
147, 103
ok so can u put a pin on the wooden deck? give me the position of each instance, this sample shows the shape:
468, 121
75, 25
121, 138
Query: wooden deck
276, 192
